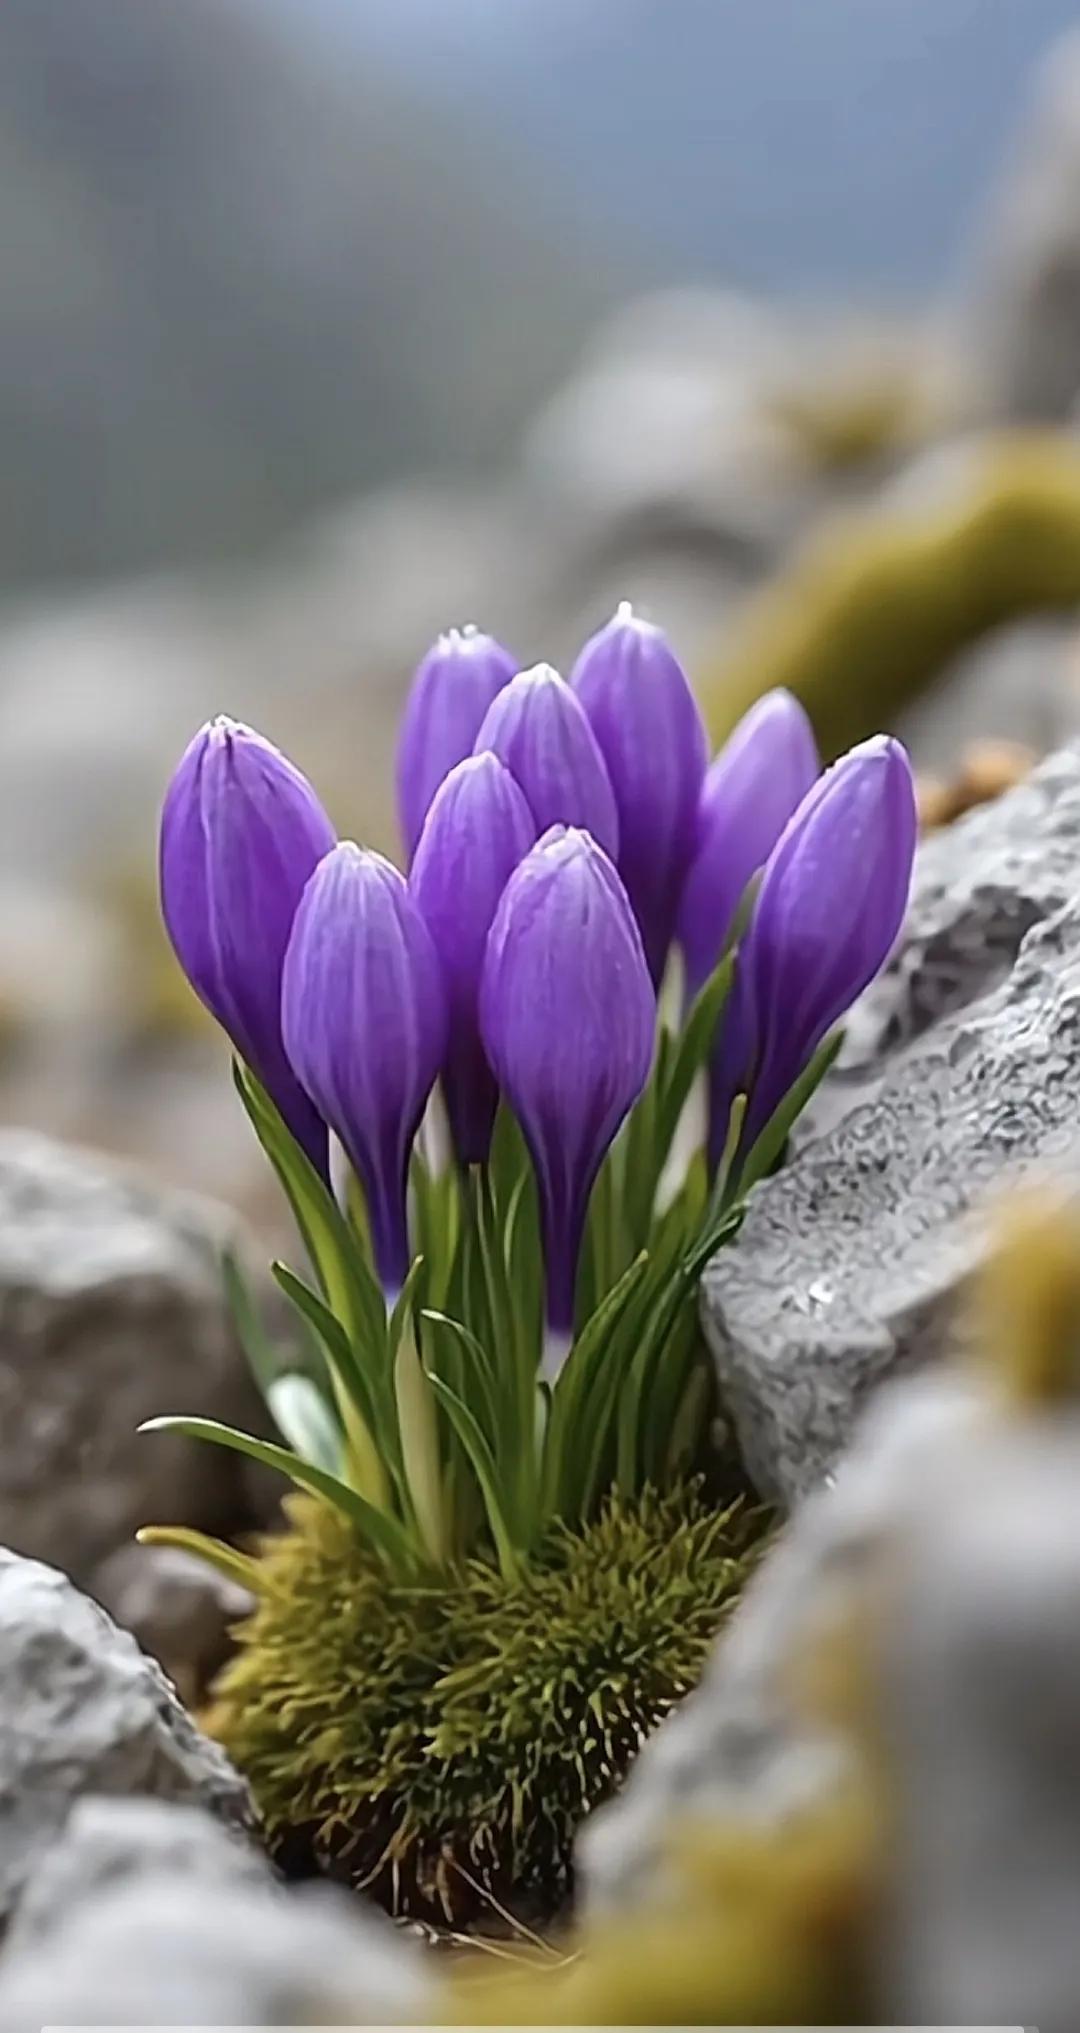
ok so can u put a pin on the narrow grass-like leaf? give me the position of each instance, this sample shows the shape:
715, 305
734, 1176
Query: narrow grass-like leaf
235, 1566
483, 1464
420, 1445
568, 1434
305, 1421
355, 1392
383, 1531
479, 1386
337, 1257
775, 1134
690, 1054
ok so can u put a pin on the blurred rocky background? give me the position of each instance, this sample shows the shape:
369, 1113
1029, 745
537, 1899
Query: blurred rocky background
326, 324
329, 322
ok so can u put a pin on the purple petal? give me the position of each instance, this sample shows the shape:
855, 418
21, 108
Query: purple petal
567, 1014
538, 728
454, 685
755, 784
477, 830
650, 733
364, 1023
831, 904
241, 832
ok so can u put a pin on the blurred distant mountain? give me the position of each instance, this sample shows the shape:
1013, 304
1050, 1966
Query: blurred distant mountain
239, 277
800, 145
261, 253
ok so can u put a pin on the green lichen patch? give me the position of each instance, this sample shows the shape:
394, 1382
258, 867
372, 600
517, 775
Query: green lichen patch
438, 1744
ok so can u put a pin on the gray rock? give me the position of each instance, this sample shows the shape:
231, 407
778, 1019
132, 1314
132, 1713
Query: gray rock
178, 1608
980, 887
1015, 685
111, 1310
108, 1842
738, 1746
83, 1711
966, 1066
950, 1544
979, 1671
1025, 317
173, 1952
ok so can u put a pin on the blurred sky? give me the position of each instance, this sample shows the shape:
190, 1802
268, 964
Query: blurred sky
788, 144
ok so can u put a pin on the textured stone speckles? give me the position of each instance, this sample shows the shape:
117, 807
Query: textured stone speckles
83, 1711
852, 1262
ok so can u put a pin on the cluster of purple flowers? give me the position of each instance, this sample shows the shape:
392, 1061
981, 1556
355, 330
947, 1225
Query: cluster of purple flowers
562, 837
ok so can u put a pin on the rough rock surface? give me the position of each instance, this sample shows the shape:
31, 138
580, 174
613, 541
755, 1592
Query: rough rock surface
109, 1842
962, 1080
980, 1679
980, 887
173, 1952
738, 1745
944, 1563
111, 1310
83, 1711
179, 1608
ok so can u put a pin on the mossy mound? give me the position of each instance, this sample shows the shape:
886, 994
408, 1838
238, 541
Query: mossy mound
438, 1744
864, 619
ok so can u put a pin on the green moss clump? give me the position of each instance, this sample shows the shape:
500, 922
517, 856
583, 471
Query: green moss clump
438, 1744
862, 621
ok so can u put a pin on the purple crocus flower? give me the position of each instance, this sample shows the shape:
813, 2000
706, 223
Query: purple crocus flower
538, 728
830, 906
765, 768
568, 1015
451, 692
650, 733
477, 830
241, 832
364, 1021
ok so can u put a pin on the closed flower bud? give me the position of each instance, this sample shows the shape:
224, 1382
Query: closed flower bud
241, 832
538, 728
364, 1022
650, 733
477, 830
454, 686
830, 906
567, 1014
762, 773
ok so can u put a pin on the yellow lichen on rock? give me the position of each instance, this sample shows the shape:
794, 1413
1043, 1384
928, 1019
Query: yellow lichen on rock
1028, 1304
764, 1926
865, 618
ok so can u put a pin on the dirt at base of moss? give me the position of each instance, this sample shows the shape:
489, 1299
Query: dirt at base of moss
439, 1743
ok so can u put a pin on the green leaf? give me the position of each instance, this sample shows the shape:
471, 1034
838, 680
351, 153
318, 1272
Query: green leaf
478, 1373
420, 1445
712, 1238
484, 1468
352, 1389
383, 1531
775, 1134
235, 1566
339, 1262
569, 1432
401, 1317
304, 1419
436, 1223
653, 1347
724, 1185
509, 1160
691, 1054
684, 1434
